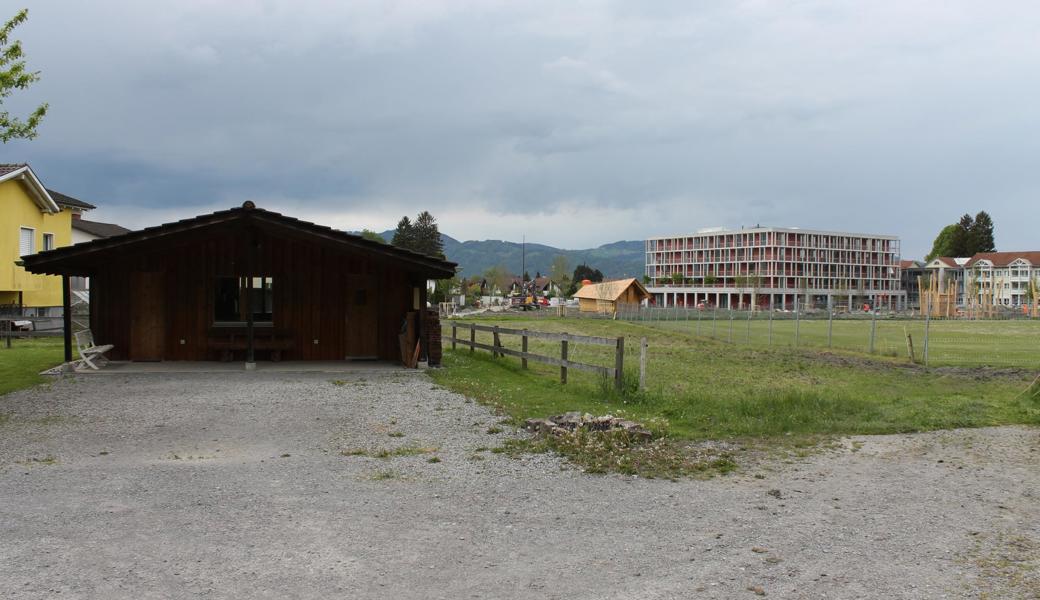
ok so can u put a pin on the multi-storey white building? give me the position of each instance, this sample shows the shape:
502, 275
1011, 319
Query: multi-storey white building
774, 267
1008, 277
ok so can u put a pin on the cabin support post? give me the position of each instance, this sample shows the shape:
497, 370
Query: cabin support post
250, 358
66, 315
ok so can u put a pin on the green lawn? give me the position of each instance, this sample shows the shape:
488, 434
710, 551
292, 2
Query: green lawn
955, 342
21, 364
699, 388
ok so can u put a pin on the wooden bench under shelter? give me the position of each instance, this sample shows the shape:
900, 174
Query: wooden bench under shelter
228, 340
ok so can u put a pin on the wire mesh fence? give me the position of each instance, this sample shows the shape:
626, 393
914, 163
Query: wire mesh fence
926, 340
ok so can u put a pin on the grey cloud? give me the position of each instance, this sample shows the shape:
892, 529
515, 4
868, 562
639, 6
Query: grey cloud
894, 117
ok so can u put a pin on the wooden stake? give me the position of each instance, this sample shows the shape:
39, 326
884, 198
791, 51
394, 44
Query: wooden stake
563, 359
642, 363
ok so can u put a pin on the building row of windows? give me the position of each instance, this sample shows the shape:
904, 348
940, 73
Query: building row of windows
771, 240
27, 241
821, 258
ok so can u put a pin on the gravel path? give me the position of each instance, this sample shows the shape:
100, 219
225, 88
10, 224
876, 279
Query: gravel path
236, 486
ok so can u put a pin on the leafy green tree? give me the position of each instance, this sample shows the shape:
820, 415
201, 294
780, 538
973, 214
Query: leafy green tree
498, 278
372, 236
560, 271
14, 76
967, 237
949, 242
404, 235
444, 289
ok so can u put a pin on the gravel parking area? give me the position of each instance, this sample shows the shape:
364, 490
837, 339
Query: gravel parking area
268, 485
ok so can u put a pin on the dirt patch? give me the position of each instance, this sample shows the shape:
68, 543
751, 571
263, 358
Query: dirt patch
871, 364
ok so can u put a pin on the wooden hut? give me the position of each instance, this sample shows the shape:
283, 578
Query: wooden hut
247, 283
608, 296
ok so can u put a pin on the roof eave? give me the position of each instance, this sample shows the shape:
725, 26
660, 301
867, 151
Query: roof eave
36, 190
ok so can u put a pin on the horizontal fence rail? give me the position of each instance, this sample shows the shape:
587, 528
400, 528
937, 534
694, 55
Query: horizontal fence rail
565, 339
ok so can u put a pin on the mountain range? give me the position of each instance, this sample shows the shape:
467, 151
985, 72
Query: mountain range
617, 259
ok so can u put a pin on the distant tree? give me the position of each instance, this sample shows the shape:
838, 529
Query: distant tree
677, 278
559, 271
427, 236
980, 234
404, 235
444, 289
498, 278
969, 236
949, 242
581, 273
962, 242
13, 76
527, 277
372, 236
646, 280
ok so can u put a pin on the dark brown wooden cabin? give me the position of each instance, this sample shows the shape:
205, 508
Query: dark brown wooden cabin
193, 290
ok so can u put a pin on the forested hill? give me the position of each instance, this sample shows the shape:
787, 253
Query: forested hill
617, 259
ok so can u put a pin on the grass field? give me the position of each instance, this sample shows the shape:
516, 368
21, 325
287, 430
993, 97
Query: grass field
21, 364
699, 388
963, 343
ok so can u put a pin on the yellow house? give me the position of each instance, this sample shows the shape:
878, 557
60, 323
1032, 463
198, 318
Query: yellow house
32, 219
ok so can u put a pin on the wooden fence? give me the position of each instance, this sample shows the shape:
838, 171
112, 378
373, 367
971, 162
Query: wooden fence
565, 339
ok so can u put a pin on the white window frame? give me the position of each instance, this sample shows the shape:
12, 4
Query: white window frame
32, 241
47, 235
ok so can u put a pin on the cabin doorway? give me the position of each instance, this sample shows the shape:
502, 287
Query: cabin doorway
362, 328
147, 316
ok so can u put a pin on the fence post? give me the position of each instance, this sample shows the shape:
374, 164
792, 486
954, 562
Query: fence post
496, 343
699, 313
770, 328
797, 322
873, 328
619, 364
927, 323
563, 359
714, 321
642, 364
472, 339
748, 337
454, 334
523, 347
830, 327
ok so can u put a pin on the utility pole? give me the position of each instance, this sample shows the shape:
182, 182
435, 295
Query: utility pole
523, 264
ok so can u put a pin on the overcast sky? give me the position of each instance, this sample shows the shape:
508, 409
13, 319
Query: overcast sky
577, 122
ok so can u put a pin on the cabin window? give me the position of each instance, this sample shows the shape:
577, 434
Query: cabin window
231, 293
26, 241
